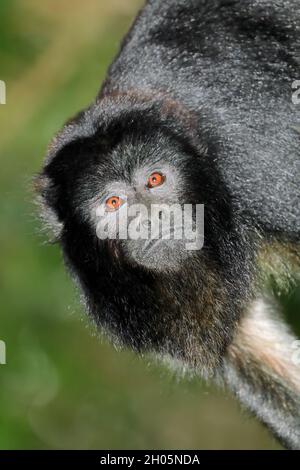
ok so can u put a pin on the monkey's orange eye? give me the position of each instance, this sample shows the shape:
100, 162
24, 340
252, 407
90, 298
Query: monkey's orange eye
113, 203
156, 179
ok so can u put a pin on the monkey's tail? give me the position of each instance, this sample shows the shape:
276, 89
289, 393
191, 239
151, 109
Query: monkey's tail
262, 369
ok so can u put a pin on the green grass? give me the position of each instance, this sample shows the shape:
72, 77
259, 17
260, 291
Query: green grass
63, 386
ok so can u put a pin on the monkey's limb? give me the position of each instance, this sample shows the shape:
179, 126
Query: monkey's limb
262, 371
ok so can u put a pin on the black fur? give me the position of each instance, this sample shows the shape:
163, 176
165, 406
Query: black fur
209, 83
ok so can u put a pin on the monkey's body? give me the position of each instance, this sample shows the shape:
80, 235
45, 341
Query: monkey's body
204, 90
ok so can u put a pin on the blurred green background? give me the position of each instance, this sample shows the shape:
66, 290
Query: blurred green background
62, 386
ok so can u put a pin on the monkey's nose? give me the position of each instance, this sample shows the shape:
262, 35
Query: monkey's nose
146, 223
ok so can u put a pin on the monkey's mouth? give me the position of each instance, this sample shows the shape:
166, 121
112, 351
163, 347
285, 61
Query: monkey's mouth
157, 254
152, 245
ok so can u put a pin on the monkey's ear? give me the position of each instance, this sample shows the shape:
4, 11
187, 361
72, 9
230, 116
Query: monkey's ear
47, 185
45, 197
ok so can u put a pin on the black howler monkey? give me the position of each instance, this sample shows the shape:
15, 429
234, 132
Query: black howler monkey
196, 109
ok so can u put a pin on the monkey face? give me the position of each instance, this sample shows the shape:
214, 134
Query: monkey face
141, 207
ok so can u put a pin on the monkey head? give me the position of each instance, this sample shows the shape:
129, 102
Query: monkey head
110, 179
